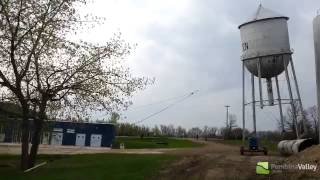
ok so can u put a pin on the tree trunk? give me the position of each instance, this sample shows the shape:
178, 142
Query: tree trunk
25, 136
25, 144
38, 124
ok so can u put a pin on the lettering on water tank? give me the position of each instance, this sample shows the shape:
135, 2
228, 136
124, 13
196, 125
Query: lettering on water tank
245, 46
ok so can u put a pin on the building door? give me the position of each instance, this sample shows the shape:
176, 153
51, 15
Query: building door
45, 138
95, 140
2, 137
56, 138
80, 139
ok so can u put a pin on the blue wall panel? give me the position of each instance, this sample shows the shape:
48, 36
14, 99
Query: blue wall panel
69, 139
70, 129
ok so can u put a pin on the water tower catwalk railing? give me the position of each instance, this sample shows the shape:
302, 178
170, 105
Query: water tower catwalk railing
271, 101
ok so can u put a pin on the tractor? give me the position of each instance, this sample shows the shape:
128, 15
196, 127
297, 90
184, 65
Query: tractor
253, 147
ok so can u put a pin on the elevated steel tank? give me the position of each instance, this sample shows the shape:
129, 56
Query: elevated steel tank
265, 38
265, 46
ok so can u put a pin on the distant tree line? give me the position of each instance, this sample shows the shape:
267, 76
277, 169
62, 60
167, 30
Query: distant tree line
308, 124
230, 131
127, 129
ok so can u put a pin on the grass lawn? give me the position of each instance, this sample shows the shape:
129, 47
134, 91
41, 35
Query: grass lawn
270, 145
154, 142
87, 167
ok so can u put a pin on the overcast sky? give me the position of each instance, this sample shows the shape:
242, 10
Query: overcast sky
192, 45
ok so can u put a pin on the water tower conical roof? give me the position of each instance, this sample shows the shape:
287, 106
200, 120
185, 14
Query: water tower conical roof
263, 13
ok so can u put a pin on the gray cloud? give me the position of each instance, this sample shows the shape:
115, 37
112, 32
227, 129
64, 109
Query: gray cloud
199, 48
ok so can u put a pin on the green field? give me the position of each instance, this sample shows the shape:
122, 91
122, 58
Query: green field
154, 142
87, 167
270, 145
99, 166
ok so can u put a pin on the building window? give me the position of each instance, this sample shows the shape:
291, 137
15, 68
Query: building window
57, 129
70, 131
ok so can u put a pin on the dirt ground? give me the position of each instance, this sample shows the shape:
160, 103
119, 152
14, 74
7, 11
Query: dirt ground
224, 162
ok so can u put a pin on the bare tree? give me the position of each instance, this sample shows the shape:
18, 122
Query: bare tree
115, 117
167, 130
180, 132
212, 132
42, 70
194, 132
209, 132
236, 133
156, 131
303, 124
314, 120
232, 121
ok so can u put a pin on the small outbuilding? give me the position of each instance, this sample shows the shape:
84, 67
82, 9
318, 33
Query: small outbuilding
62, 133
55, 132
82, 134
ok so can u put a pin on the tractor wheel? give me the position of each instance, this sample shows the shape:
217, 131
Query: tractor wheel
241, 150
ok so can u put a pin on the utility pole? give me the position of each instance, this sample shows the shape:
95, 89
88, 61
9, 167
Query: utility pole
227, 118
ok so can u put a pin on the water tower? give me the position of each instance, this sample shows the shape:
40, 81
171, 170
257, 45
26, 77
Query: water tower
266, 54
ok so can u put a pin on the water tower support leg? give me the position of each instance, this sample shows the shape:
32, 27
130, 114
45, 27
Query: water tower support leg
260, 84
253, 106
291, 99
298, 94
243, 103
280, 105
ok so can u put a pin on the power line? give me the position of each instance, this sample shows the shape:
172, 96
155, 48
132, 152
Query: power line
158, 102
167, 107
154, 103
